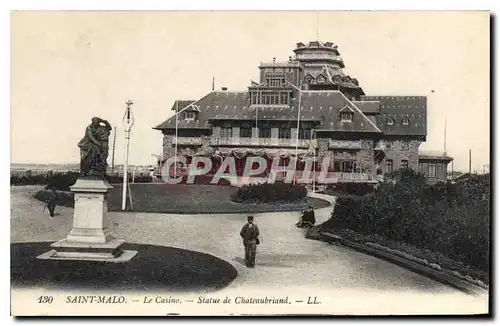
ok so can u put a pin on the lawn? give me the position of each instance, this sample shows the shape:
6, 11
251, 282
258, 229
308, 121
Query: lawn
154, 268
191, 199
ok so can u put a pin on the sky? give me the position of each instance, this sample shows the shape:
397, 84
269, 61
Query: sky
67, 67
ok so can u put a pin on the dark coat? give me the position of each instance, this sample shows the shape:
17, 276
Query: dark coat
51, 198
249, 233
308, 216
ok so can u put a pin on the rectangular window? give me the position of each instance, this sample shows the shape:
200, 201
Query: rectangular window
348, 166
285, 132
245, 132
189, 115
432, 170
388, 144
346, 116
404, 164
226, 132
264, 132
284, 98
421, 167
305, 133
405, 144
389, 166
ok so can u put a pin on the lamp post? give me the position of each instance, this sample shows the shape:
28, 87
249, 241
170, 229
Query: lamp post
299, 89
128, 121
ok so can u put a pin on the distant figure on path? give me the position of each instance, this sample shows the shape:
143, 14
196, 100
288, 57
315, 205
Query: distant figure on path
50, 200
250, 234
307, 219
94, 148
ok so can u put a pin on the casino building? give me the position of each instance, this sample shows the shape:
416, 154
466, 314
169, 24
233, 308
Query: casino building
364, 136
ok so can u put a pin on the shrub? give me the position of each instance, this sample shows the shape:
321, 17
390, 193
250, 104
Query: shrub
452, 219
270, 193
351, 188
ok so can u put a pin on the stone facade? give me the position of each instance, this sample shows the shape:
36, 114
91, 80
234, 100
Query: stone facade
365, 157
399, 151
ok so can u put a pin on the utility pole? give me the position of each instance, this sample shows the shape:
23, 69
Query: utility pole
470, 161
128, 120
444, 135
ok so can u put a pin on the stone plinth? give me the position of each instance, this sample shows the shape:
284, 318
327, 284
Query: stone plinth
90, 238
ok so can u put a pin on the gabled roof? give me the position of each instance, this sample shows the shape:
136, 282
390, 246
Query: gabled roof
181, 104
328, 104
398, 107
320, 106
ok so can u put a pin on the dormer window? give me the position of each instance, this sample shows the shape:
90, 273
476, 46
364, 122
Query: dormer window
321, 79
309, 79
189, 115
390, 121
346, 116
405, 121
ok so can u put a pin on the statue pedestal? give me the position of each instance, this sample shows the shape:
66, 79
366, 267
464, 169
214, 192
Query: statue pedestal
90, 238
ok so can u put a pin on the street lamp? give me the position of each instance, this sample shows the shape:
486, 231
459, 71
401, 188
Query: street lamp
128, 121
299, 89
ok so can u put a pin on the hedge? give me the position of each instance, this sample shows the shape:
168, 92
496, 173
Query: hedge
358, 189
453, 219
270, 193
62, 181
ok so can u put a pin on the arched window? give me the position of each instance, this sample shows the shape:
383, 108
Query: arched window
390, 121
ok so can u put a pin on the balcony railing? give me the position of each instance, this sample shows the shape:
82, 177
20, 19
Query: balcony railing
264, 142
347, 144
187, 140
318, 56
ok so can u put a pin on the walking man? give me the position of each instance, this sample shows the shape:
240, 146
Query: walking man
250, 234
50, 200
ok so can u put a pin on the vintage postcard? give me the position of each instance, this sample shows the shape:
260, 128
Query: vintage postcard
231, 163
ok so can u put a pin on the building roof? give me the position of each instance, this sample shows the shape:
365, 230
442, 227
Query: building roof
434, 156
368, 107
397, 108
181, 104
320, 106
328, 104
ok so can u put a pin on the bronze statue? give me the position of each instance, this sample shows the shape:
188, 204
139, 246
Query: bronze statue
94, 148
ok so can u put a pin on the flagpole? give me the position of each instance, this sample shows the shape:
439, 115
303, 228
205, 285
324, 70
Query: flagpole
176, 133
129, 122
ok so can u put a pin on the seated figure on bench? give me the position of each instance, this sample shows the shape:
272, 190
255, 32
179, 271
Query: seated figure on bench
307, 219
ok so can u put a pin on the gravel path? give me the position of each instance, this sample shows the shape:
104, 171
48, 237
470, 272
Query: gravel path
351, 282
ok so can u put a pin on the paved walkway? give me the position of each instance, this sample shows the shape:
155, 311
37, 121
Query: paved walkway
350, 281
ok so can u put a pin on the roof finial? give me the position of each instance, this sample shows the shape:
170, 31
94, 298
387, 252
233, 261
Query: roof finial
274, 60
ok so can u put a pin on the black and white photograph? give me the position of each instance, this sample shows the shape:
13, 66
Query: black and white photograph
250, 163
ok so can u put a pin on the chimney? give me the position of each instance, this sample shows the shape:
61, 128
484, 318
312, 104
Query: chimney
290, 58
224, 88
274, 60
